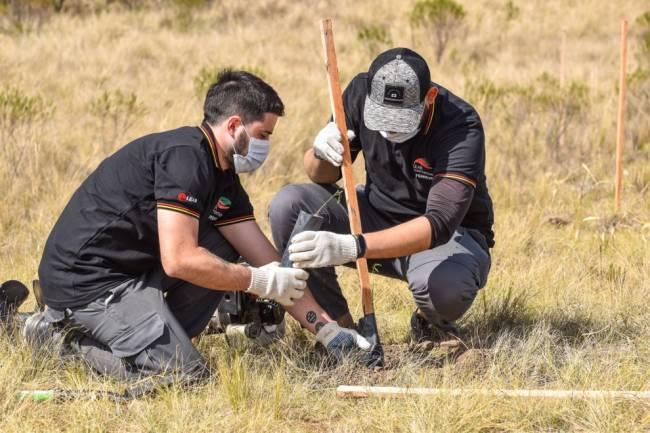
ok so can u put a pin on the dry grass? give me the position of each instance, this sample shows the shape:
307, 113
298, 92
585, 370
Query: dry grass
565, 306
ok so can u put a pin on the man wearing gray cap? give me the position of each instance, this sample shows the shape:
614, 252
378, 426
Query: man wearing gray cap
425, 208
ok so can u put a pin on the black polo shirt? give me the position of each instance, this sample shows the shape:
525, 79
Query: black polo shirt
451, 144
108, 232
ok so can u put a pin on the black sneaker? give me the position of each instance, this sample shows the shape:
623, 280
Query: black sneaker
12, 294
423, 330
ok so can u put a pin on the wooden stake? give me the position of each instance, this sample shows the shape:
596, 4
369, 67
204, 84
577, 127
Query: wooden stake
348, 391
336, 100
619, 129
562, 82
563, 59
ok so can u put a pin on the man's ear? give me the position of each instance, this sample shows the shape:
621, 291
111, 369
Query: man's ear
431, 95
232, 123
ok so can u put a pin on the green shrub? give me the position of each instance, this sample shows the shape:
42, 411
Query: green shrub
117, 112
637, 109
20, 115
643, 29
208, 75
373, 37
21, 16
16, 107
534, 117
442, 18
511, 11
183, 14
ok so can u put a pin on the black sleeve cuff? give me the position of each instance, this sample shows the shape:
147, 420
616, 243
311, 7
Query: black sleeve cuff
432, 223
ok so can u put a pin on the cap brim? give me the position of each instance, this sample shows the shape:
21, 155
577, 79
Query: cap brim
381, 118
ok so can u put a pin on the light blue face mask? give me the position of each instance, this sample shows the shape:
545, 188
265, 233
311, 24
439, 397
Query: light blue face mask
399, 137
258, 150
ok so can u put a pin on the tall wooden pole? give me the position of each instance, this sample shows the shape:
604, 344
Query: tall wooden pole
562, 83
336, 101
620, 135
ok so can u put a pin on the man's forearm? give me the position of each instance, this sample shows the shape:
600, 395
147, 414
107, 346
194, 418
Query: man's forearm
249, 241
402, 240
202, 268
320, 171
447, 205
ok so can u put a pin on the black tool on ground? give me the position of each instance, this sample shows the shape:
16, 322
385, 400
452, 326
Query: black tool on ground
261, 320
367, 327
240, 313
12, 294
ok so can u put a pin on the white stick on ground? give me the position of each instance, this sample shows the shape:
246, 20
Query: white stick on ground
351, 391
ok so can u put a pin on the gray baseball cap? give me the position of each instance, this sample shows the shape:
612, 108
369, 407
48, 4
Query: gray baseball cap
398, 81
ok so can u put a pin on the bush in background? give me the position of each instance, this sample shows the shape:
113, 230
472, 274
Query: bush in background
20, 115
374, 37
535, 116
442, 18
208, 75
117, 112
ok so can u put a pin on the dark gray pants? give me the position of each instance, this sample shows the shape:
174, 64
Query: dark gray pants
144, 325
444, 280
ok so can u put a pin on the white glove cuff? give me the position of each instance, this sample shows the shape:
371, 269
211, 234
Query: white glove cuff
259, 281
327, 333
349, 248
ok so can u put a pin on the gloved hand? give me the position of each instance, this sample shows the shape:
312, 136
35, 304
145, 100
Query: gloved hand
320, 249
327, 144
339, 341
283, 285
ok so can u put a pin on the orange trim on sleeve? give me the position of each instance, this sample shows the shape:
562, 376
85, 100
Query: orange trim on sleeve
234, 220
459, 177
178, 208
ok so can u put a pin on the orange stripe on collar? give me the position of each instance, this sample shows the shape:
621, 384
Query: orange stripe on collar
429, 117
211, 141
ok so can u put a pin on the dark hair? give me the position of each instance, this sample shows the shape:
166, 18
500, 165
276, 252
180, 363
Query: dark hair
240, 93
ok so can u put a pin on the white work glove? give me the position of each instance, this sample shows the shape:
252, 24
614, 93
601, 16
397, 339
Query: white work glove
283, 285
327, 144
339, 341
320, 249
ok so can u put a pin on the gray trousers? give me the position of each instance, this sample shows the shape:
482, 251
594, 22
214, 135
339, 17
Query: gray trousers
144, 325
444, 280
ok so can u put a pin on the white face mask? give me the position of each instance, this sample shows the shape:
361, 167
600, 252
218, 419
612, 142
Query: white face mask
258, 150
399, 137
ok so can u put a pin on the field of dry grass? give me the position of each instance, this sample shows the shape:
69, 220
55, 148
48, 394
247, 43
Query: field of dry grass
565, 306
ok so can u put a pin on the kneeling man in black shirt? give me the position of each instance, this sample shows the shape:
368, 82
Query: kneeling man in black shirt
147, 246
425, 209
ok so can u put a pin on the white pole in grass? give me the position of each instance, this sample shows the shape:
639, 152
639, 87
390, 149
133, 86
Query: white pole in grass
350, 391
619, 128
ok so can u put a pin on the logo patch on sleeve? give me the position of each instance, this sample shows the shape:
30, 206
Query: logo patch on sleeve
186, 197
222, 206
423, 169
224, 203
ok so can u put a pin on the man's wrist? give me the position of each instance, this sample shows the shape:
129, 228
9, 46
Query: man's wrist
256, 275
361, 245
317, 155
